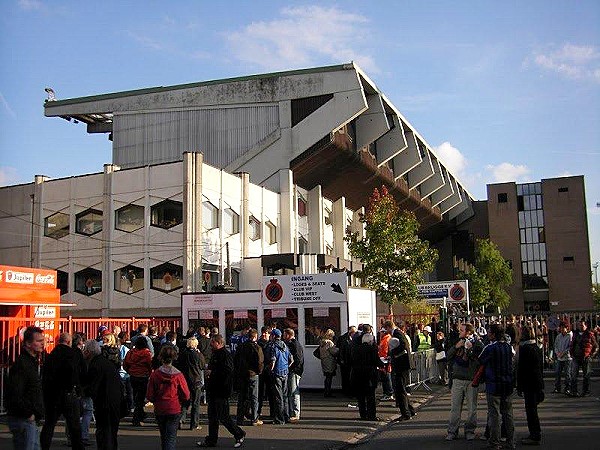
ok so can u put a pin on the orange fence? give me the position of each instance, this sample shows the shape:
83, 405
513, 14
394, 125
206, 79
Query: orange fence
11, 341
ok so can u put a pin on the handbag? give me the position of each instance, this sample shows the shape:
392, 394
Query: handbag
440, 355
317, 353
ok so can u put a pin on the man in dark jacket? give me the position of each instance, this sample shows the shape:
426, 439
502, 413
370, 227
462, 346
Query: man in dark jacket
103, 385
294, 375
191, 363
219, 386
249, 364
345, 358
24, 398
400, 358
530, 382
61, 380
497, 357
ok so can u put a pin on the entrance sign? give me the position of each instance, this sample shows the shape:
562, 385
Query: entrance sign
302, 289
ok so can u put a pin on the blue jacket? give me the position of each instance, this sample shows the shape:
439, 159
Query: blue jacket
497, 357
279, 353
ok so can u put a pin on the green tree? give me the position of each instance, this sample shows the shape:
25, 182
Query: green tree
394, 258
489, 277
596, 295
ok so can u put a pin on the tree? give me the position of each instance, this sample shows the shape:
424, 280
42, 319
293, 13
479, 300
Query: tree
596, 295
394, 258
489, 277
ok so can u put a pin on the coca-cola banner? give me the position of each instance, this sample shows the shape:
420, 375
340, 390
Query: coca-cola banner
26, 277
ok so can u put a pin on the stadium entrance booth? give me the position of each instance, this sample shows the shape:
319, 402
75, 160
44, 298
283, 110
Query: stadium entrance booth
308, 304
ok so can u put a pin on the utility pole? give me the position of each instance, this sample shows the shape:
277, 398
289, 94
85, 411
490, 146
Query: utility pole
595, 267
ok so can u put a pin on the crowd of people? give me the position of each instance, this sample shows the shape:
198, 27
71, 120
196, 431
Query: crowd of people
115, 376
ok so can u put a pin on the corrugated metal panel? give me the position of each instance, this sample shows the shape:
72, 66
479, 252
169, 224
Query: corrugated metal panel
222, 135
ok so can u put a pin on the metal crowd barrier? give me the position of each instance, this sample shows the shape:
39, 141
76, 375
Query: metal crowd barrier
425, 369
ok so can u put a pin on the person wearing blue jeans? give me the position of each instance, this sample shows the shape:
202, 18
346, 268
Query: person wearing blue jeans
562, 344
24, 399
295, 373
167, 427
279, 359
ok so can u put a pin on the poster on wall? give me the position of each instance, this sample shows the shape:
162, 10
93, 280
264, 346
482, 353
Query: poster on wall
303, 289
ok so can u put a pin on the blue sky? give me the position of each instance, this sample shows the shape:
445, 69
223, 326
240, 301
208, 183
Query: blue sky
503, 91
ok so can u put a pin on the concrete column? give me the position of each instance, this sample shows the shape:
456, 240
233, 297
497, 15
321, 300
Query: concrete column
108, 279
316, 221
339, 228
38, 220
192, 221
287, 222
245, 216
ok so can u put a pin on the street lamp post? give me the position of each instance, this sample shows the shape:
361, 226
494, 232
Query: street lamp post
595, 267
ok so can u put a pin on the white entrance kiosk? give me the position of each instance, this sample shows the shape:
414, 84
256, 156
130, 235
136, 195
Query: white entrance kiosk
309, 304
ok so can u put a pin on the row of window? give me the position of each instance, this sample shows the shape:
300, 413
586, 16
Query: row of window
165, 214
165, 277
316, 321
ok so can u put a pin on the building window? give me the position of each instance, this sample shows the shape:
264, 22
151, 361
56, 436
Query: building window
210, 216
271, 232
282, 318
88, 281
166, 214
231, 222
301, 207
329, 250
129, 218
318, 320
62, 281
302, 245
56, 226
563, 189
568, 259
166, 277
129, 279
88, 222
502, 197
210, 277
328, 217
254, 228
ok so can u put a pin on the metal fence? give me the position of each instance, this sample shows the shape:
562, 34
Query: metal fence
425, 369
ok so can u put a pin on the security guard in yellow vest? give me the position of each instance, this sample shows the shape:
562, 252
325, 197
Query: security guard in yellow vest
424, 339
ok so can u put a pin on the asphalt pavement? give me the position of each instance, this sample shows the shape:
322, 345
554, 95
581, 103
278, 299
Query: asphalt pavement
333, 424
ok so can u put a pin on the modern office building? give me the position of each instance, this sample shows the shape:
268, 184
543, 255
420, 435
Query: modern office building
541, 228
218, 183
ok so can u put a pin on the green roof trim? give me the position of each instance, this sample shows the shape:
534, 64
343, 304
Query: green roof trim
99, 97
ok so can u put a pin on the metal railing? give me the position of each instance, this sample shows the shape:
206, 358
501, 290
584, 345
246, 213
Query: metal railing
425, 369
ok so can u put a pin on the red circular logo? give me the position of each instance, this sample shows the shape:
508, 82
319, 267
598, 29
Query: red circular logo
457, 292
274, 291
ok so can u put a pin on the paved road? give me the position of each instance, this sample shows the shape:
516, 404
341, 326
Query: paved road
329, 424
566, 423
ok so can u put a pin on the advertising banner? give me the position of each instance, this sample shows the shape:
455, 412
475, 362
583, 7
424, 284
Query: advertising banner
456, 291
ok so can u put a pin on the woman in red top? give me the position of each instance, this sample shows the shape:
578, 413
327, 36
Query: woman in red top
138, 364
167, 389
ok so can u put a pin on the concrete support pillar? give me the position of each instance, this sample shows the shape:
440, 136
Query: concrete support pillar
339, 228
192, 221
316, 221
37, 217
245, 216
108, 279
287, 223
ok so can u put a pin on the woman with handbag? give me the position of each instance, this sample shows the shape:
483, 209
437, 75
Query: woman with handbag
328, 352
440, 355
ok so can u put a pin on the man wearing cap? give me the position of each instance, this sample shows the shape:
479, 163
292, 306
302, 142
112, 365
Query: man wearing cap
424, 339
279, 359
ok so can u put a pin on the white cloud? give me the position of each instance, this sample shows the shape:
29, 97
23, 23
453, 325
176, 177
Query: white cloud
302, 36
571, 61
30, 5
508, 172
452, 158
146, 41
6, 106
8, 176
